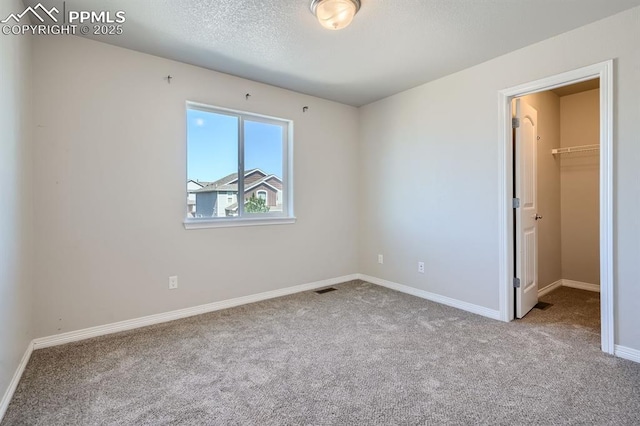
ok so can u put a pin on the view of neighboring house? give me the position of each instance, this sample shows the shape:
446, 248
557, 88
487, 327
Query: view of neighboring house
192, 186
220, 198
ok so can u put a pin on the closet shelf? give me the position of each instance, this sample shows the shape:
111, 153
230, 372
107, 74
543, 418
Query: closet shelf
572, 149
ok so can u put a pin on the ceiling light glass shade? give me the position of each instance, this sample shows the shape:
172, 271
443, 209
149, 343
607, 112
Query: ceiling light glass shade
335, 14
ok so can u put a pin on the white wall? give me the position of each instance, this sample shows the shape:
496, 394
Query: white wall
433, 152
106, 117
580, 174
15, 199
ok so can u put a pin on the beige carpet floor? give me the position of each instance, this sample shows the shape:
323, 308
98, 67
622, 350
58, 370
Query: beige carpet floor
361, 355
571, 307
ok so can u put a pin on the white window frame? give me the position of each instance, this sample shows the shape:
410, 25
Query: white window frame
262, 191
285, 216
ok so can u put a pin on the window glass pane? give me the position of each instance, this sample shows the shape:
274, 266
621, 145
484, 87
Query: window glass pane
213, 145
263, 144
212, 164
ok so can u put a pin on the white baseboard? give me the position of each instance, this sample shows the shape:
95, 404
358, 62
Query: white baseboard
568, 283
581, 285
101, 330
74, 336
469, 307
548, 289
6, 398
627, 353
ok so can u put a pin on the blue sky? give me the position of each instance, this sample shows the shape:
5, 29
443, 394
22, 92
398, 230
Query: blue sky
212, 149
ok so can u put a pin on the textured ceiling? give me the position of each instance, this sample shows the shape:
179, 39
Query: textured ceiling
391, 46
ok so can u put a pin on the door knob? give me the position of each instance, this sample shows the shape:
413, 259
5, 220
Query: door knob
537, 217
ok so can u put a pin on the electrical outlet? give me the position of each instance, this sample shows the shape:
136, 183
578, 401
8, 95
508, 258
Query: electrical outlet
421, 267
173, 283
380, 259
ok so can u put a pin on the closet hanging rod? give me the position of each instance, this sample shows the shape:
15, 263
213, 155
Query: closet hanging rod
572, 149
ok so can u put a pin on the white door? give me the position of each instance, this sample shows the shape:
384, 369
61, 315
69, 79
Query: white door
526, 135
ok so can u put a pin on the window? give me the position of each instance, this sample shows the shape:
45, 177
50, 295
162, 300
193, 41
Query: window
238, 158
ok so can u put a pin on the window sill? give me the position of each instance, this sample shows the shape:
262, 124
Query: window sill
229, 223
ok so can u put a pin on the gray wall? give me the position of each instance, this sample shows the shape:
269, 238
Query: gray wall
16, 261
580, 188
433, 151
122, 123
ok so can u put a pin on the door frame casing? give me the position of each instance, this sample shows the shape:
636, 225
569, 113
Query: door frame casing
603, 71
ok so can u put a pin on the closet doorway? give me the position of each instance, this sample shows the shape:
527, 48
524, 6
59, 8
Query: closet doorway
557, 214
559, 134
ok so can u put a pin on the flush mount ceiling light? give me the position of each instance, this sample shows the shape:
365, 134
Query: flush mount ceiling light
335, 14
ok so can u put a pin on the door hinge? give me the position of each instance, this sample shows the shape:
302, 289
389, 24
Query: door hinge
516, 203
515, 123
516, 283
